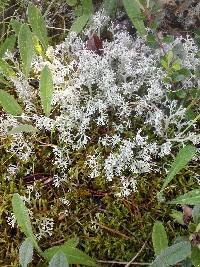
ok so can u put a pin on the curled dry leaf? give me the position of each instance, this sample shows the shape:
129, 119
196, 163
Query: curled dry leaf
95, 44
187, 214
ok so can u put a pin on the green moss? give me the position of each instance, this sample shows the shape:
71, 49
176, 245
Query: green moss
109, 228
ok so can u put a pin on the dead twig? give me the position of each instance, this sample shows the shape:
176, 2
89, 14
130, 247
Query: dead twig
114, 231
124, 263
134, 258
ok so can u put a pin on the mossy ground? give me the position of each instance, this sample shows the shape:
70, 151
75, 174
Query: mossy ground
122, 225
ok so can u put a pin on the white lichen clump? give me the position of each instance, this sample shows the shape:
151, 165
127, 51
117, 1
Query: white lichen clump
115, 102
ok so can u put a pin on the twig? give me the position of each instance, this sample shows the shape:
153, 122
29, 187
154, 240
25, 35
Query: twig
6, 10
113, 231
56, 28
124, 263
134, 258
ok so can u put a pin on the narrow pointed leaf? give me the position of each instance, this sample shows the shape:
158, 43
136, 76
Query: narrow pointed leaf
26, 252
8, 44
159, 238
190, 198
173, 255
23, 128
46, 89
139, 25
87, 6
22, 215
74, 255
23, 219
6, 69
79, 23
9, 104
25, 48
180, 162
16, 25
132, 8
38, 24
59, 260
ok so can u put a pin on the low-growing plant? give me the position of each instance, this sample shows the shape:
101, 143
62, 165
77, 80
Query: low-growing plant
58, 256
100, 112
185, 249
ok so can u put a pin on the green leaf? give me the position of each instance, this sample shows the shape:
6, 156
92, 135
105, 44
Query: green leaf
139, 25
73, 242
71, 2
26, 252
169, 57
186, 263
173, 254
190, 198
22, 215
25, 48
16, 25
181, 160
177, 216
79, 23
87, 7
59, 260
38, 24
23, 128
23, 219
196, 214
46, 89
109, 6
159, 238
167, 39
133, 10
9, 104
176, 65
2, 80
195, 256
74, 255
8, 44
181, 75
151, 40
6, 68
